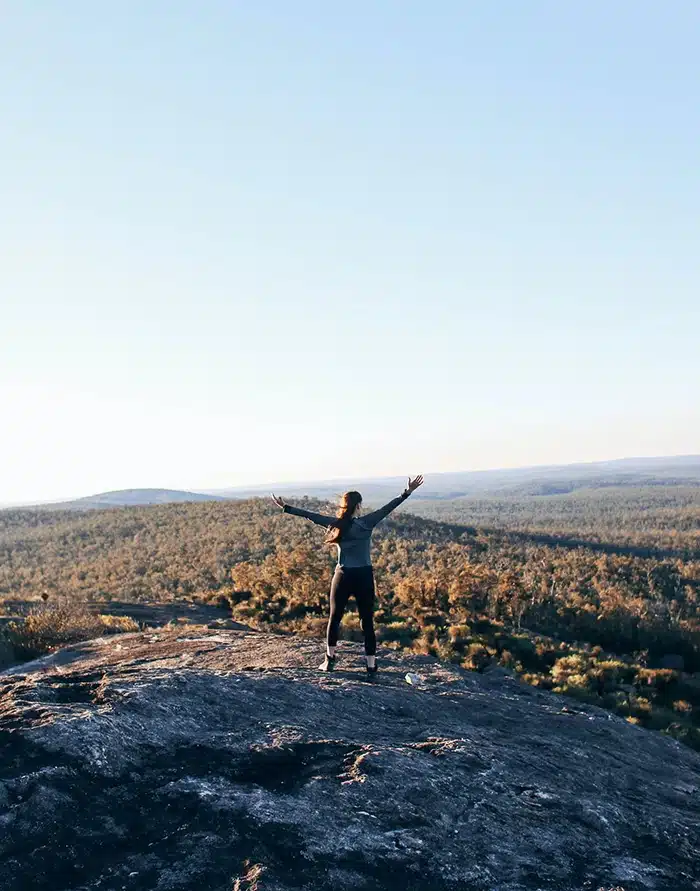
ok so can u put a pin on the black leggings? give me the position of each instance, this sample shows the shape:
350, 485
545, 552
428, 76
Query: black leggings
346, 582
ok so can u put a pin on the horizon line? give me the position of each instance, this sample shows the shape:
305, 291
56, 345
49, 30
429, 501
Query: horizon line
341, 479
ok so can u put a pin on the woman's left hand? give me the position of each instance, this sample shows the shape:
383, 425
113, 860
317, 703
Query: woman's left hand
278, 501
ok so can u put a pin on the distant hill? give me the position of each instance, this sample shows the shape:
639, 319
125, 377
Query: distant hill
542, 480
683, 470
133, 498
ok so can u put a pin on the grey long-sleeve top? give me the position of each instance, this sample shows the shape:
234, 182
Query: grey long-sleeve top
353, 548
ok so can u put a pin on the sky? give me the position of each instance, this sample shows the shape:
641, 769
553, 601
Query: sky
248, 242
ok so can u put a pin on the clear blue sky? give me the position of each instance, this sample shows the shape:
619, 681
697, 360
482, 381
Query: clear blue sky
254, 241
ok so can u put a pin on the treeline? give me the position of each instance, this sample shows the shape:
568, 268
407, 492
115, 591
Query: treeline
613, 599
463, 590
655, 517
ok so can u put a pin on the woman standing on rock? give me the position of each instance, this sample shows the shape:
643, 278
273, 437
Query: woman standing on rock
353, 572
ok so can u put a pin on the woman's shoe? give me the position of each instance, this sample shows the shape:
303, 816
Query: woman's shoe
373, 670
328, 663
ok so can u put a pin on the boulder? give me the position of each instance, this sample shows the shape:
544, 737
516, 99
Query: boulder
196, 758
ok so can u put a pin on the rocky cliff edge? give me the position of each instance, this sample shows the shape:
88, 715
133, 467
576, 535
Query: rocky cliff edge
193, 758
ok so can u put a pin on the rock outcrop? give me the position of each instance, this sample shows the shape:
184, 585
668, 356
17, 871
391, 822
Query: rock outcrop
201, 759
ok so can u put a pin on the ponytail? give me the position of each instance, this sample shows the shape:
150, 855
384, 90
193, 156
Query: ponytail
348, 505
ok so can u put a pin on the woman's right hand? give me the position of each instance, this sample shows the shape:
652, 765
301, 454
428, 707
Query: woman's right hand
414, 483
278, 501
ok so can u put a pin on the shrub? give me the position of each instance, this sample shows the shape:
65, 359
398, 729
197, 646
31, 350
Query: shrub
477, 657
524, 650
535, 680
616, 670
459, 634
659, 679
641, 706
569, 665
506, 659
577, 680
118, 624
446, 651
351, 628
398, 632
48, 627
683, 707
576, 691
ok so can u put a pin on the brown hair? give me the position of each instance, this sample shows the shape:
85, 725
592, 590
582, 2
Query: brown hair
348, 504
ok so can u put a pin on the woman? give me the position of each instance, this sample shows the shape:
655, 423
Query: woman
353, 572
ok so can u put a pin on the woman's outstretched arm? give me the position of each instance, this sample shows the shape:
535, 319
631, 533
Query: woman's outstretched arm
319, 519
378, 515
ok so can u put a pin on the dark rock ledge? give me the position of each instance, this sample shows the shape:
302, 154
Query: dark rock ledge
200, 759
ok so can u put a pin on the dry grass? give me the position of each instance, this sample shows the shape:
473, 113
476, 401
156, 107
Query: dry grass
47, 627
